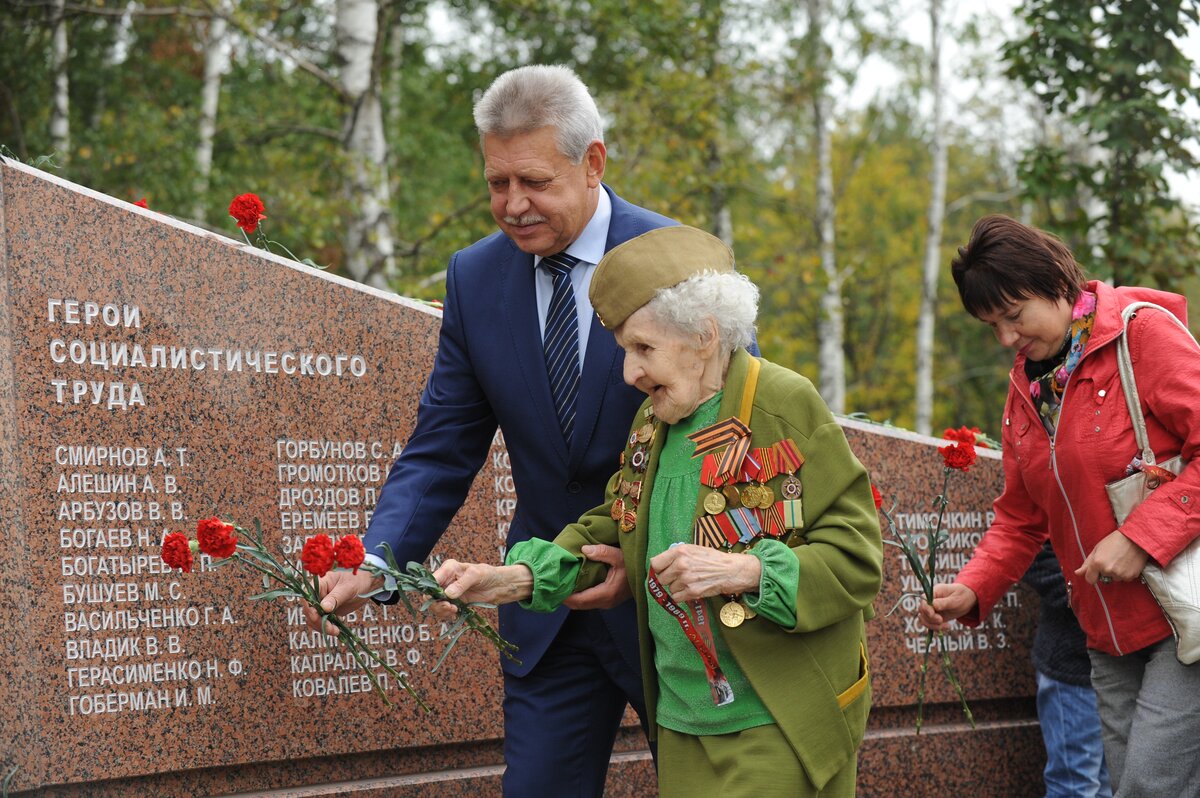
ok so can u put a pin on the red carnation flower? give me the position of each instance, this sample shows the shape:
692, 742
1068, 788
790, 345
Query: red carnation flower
877, 496
247, 209
142, 203
349, 552
960, 456
217, 538
317, 554
962, 435
177, 551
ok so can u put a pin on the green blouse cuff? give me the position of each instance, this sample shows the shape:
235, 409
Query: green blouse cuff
555, 571
776, 599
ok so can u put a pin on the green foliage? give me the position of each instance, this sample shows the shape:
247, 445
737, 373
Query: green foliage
1114, 71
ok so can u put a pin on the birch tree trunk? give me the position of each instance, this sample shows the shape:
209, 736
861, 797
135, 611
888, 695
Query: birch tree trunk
927, 314
370, 245
216, 64
720, 216
831, 327
60, 125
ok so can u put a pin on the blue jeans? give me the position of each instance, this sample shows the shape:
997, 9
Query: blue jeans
1074, 747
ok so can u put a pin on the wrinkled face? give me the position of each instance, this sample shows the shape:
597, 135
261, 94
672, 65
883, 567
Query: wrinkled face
1034, 327
663, 364
540, 199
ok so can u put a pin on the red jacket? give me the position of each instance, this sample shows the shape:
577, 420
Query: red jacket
1057, 486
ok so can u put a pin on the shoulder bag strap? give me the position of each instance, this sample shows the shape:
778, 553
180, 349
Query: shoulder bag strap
1129, 384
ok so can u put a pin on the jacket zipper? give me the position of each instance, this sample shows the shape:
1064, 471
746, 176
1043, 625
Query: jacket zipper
1066, 500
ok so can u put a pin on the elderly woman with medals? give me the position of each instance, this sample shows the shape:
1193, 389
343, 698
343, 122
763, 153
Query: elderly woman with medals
749, 536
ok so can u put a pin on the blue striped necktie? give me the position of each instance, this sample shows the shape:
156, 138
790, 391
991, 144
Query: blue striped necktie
561, 341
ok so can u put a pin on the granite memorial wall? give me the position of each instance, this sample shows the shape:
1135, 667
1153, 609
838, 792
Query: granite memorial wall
151, 374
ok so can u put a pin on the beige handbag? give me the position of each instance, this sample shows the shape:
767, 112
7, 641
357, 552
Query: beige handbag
1177, 587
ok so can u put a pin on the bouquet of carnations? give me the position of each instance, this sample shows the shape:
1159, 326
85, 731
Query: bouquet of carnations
226, 543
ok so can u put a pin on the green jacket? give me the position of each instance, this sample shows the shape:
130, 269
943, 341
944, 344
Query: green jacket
813, 678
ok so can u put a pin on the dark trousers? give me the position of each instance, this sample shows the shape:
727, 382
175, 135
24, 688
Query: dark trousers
561, 719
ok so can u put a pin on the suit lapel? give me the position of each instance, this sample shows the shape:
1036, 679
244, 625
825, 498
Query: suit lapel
519, 294
598, 365
601, 360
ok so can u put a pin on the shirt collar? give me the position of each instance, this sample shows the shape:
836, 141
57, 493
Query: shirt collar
589, 247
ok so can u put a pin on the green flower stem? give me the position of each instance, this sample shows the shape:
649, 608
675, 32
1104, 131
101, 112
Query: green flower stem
952, 677
924, 674
926, 574
295, 584
416, 578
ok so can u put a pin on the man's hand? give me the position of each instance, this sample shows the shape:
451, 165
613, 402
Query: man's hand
950, 602
609, 593
341, 593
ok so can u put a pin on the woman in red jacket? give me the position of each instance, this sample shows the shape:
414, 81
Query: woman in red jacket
1066, 432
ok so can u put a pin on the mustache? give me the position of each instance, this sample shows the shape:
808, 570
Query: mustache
523, 221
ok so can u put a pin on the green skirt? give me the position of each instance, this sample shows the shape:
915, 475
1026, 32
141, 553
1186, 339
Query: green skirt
754, 763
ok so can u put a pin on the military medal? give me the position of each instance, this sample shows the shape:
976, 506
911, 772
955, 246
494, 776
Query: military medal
618, 509
733, 614
628, 521
733, 496
714, 503
638, 459
788, 458
750, 614
793, 514
791, 487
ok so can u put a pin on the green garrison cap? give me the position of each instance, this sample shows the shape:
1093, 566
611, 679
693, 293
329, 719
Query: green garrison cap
631, 274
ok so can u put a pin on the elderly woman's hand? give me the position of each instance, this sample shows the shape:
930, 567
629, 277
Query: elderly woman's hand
471, 582
690, 572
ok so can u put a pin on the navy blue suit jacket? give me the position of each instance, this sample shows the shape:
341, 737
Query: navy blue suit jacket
490, 371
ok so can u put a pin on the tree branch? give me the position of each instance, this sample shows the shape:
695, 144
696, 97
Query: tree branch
118, 11
280, 131
416, 246
283, 48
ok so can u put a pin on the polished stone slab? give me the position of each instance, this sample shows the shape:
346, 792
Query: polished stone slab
151, 374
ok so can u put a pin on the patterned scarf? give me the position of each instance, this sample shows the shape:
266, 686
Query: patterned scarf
1047, 389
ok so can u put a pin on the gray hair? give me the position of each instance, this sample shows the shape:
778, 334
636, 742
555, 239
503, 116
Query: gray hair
528, 98
728, 298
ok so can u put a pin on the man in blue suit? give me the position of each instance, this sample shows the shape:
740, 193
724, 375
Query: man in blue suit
544, 159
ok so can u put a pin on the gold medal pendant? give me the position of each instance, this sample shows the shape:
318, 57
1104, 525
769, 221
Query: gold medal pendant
750, 614
714, 503
733, 614
766, 497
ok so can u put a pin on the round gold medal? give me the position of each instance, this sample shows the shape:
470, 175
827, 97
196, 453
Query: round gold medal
645, 432
750, 614
750, 496
733, 497
733, 614
714, 503
766, 496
